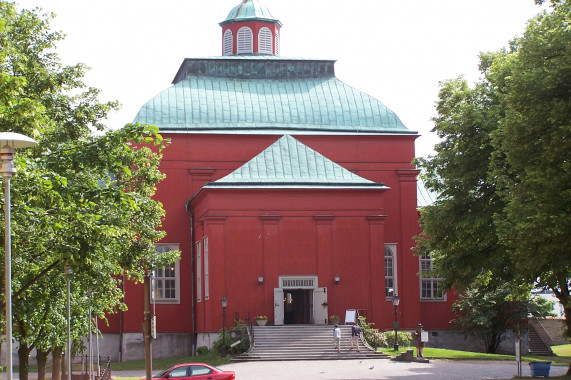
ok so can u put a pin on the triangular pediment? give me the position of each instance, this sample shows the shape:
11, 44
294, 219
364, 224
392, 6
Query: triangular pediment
288, 162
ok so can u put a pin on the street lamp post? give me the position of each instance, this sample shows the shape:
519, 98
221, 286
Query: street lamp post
224, 304
9, 142
396, 301
68, 272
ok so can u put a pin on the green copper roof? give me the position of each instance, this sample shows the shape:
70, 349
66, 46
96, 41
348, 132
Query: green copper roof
289, 163
250, 10
261, 95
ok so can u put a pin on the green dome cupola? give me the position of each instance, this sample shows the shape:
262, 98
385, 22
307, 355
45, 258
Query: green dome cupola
251, 29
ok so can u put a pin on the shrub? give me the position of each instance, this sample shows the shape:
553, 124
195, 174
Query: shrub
372, 335
239, 348
403, 339
202, 350
386, 339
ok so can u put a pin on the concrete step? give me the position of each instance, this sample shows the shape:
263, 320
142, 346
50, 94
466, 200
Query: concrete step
303, 342
536, 345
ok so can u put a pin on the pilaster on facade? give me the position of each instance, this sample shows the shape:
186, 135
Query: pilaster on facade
270, 218
199, 177
210, 219
407, 175
270, 256
324, 247
410, 228
376, 264
214, 248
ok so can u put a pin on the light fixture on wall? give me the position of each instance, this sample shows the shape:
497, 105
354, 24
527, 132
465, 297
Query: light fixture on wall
260, 280
337, 279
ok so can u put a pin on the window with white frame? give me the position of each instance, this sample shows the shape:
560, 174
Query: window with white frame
206, 269
228, 42
166, 281
198, 246
245, 41
265, 41
429, 282
390, 270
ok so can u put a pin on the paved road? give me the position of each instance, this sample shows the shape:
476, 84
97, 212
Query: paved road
373, 369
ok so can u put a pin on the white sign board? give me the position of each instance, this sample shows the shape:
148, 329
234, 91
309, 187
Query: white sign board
350, 316
424, 336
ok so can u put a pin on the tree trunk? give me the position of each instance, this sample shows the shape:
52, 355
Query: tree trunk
42, 359
564, 298
493, 342
57, 363
64, 366
24, 365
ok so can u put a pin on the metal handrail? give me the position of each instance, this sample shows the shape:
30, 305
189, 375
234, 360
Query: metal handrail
106, 373
361, 333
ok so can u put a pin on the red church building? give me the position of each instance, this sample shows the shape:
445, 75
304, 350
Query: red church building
287, 191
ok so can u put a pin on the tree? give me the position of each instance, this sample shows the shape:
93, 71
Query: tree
487, 311
532, 161
79, 197
502, 169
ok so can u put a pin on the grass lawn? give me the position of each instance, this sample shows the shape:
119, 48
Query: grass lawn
212, 358
441, 353
562, 351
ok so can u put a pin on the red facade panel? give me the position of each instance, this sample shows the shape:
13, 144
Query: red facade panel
288, 232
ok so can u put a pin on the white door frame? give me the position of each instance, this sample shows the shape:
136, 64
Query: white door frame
299, 282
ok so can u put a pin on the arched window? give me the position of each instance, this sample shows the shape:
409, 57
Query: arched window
245, 41
228, 42
390, 270
265, 41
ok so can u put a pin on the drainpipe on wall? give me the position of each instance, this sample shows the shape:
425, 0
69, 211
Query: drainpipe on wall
192, 286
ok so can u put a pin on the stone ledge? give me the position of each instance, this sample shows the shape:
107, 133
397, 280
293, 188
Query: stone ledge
408, 356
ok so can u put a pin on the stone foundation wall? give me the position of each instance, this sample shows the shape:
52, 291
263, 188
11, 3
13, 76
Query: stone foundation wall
554, 327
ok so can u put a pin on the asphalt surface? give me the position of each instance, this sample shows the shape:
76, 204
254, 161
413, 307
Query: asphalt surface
372, 369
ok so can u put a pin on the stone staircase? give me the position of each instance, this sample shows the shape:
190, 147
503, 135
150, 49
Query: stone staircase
303, 342
536, 344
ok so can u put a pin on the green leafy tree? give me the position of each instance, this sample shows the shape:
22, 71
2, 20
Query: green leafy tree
79, 197
532, 161
490, 312
502, 169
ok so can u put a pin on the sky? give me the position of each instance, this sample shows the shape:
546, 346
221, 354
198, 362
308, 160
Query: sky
394, 50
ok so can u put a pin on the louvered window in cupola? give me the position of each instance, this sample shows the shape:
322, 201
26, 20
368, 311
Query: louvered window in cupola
265, 41
228, 42
245, 40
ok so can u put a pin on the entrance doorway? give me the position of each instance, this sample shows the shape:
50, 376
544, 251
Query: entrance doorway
297, 306
298, 300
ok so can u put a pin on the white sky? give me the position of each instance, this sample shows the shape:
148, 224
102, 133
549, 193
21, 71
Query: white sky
394, 50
